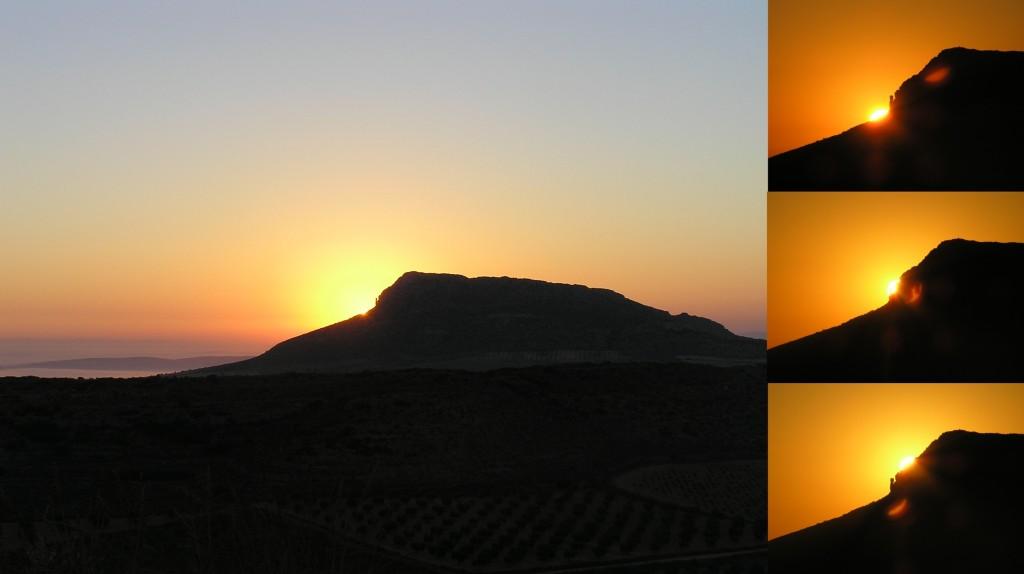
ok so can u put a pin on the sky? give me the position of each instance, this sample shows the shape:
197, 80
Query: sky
218, 176
833, 447
832, 63
831, 255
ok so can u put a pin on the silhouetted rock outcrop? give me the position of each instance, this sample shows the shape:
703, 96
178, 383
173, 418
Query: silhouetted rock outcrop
958, 315
957, 509
439, 320
954, 125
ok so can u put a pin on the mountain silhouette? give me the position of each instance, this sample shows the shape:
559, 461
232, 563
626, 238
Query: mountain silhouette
955, 125
957, 315
450, 321
956, 509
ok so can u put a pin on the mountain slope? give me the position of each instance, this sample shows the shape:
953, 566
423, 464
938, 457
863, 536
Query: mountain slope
957, 509
958, 315
953, 126
440, 320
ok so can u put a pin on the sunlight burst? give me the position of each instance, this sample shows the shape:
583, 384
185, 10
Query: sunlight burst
355, 302
878, 114
907, 461
892, 287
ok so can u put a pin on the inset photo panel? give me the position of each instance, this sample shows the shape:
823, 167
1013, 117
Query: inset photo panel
913, 286
895, 477
895, 95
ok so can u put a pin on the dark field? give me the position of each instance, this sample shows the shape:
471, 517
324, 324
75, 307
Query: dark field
631, 468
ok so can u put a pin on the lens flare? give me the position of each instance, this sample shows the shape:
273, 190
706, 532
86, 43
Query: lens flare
897, 510
937, 75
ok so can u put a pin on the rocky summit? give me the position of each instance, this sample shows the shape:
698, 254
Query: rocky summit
451, 321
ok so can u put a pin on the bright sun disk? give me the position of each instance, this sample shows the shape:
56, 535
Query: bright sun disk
907, 461
878, 114
892, 287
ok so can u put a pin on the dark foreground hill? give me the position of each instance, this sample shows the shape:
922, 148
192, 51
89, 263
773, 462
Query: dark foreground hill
955, 125
450, 321
958, 315
957, 509
630, 468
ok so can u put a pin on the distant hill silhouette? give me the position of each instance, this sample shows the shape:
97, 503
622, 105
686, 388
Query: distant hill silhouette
154, 364
955, 125
962, 513
958, 315
450, 321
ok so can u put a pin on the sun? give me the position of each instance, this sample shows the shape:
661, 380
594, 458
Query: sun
907, 461
878, 114
355, 302
892, 287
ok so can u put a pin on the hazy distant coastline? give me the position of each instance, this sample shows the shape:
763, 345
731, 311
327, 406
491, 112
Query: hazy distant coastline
102, 367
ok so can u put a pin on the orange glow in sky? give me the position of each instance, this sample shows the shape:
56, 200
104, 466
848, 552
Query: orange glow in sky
828, 62
833, 256
833, 447
256, 176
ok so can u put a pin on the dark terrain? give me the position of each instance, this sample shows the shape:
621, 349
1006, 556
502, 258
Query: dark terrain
957, 509
958, 315
450, 321
955, 125
648, 467
651, 458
